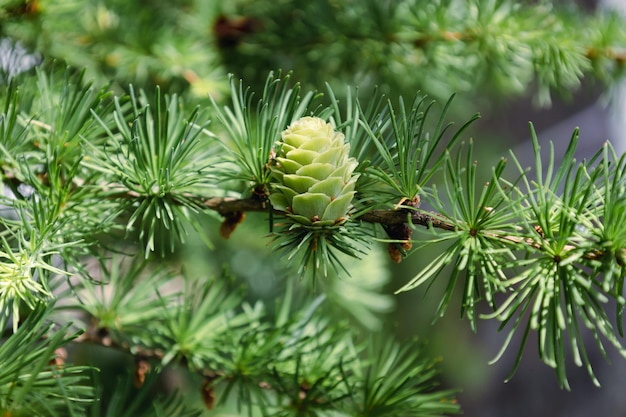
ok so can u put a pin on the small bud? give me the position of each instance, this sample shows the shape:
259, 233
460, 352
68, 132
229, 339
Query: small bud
401, 232
231, 220
142, 368
394, 253
60, 355
208, 394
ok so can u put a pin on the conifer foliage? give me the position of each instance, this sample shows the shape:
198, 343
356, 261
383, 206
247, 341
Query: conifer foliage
119, 155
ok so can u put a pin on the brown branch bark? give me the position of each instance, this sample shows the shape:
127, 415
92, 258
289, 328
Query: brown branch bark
227, 205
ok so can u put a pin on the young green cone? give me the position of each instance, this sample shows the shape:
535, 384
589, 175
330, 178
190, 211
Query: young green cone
313, 174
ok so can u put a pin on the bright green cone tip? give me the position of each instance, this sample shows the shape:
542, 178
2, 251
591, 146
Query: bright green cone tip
313, 174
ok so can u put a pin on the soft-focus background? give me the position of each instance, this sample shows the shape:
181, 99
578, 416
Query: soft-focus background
151, 42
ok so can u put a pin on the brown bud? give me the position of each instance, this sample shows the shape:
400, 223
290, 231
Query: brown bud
142, 368
59, 357
208, 394
394, 253
230, 31
415, 202
401, 232
27, 8
231, 220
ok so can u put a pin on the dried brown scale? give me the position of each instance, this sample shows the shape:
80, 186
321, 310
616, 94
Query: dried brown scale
231, 220
401, 233
394, 253
60, 355
142, 369
208, 393
231, 31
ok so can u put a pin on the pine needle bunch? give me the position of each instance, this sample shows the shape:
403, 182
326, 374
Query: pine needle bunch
458, 46
34, 380
155, 167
